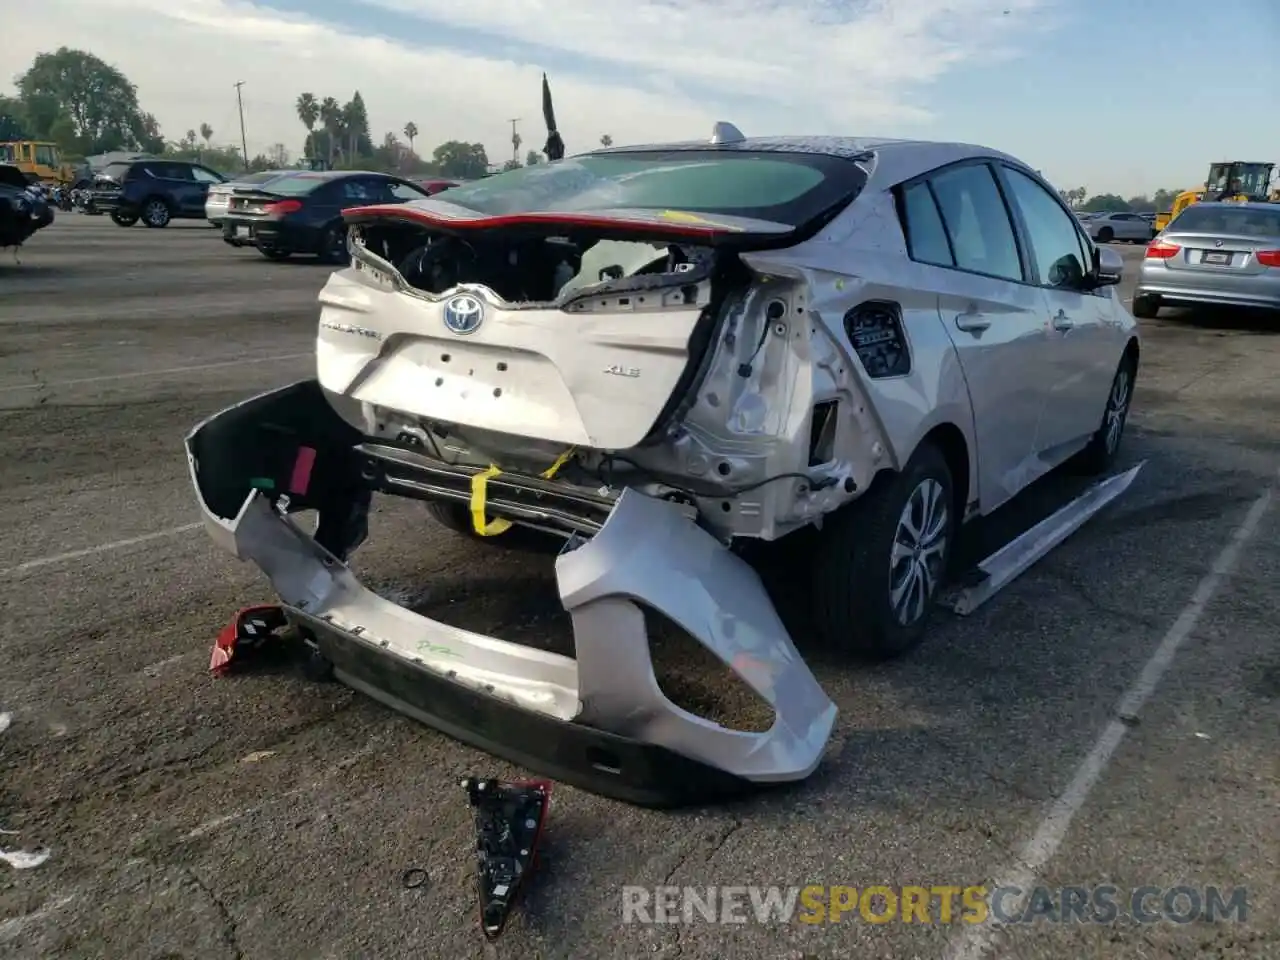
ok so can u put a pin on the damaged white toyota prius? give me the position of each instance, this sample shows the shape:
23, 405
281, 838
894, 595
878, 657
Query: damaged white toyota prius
661, 354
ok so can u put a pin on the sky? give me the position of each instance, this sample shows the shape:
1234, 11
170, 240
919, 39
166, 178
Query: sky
1122, 96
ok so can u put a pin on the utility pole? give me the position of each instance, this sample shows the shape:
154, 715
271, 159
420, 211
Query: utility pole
244, 142
515, 140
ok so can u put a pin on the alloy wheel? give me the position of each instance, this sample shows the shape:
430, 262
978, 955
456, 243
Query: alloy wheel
919, 551
157, 214
1118, 408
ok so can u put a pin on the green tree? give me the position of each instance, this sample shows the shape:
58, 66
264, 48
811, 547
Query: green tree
331, 122
411, 133
1163, 199
13, 123
1141, 204
308, 109
1105, 203
463, 161
606, 140
98, 100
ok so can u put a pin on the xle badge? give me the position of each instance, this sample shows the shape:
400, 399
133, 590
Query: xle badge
617, 370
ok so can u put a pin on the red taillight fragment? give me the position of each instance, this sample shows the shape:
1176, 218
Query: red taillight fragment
1268, 258
1161, 250
281, 207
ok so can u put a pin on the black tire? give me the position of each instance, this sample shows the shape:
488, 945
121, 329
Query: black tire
333, 244
1104, 446
1146, 306
854, 573
156, 213
123, 220
273, 254
455, 516
1106, 235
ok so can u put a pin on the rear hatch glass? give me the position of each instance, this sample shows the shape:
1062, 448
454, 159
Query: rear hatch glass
1233, 221
791, 189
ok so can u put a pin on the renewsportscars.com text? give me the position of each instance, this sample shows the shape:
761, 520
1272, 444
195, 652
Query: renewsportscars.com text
814, 904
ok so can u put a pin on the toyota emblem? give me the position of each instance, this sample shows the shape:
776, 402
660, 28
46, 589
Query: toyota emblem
463, 313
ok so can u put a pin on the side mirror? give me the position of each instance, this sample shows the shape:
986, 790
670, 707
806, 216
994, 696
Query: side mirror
1108, 267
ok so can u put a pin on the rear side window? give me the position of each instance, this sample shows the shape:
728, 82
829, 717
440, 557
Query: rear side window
926, 236
977, 222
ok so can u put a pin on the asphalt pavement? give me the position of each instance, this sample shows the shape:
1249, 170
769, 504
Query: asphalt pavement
1110, 718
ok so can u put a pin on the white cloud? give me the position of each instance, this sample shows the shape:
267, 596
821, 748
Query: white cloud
771, 66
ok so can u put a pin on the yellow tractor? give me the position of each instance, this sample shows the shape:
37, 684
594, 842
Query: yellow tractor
39, 160
1235, 180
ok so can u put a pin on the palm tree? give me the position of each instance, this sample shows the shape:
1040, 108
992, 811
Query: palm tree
206, 132
606, 141
411, 133
351, 129
331, 120
308, 112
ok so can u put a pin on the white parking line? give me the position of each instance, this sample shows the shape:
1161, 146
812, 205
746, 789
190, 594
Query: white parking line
30, 565
980, 941
155, 373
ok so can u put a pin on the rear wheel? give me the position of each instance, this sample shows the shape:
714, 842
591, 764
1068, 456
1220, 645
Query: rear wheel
880, 560
155, 213
1106, 235
333, 244
123, 220
1146, 306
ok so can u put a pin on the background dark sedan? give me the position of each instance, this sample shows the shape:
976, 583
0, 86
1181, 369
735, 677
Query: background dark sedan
302, 213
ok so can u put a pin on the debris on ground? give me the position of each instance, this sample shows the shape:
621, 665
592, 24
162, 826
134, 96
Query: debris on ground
6, 719
509, 820
251, 632
24, 859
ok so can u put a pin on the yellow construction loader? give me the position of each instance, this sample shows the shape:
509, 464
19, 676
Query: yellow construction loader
1235, 180
40, 160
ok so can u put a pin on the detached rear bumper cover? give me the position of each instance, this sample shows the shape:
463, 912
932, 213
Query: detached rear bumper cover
598, 720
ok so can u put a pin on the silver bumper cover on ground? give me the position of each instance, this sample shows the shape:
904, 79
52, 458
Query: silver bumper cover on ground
597, 719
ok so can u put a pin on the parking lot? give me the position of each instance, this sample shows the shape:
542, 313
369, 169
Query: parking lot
263, 816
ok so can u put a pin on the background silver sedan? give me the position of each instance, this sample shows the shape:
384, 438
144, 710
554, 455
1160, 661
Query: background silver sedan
1105, 227
219, 196
1215, 253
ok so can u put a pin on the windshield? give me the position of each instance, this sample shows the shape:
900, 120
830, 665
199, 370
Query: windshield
1258, 222
789, 188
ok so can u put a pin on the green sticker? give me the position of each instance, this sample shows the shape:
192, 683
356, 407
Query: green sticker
262, 483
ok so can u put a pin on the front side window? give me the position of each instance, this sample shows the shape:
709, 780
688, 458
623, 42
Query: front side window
977, 221
201, 175
1055, 242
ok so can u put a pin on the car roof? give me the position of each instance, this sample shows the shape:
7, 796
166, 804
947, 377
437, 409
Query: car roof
888, 160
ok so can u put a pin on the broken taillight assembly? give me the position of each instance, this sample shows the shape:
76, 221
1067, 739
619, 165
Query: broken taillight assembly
1161, 250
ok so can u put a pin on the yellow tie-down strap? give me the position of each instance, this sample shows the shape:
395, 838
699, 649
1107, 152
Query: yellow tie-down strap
480, 490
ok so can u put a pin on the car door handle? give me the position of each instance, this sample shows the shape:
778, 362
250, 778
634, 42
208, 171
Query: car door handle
1062, 321
972, 322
